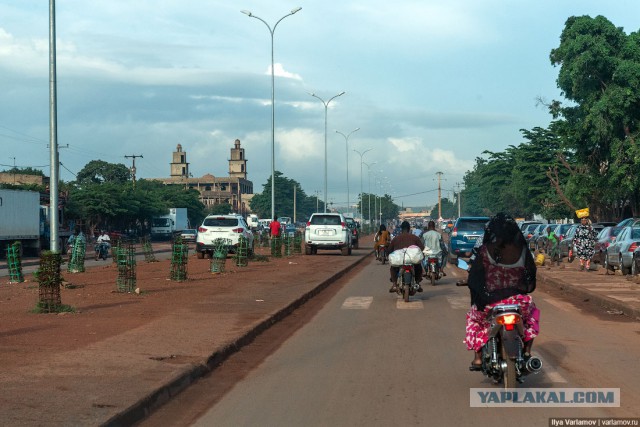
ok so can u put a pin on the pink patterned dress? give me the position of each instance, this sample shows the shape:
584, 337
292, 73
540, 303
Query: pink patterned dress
500, 276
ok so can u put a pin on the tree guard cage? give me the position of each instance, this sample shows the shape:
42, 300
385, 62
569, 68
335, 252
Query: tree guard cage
49, 281
147, 248
14, 263
76, 261
126, 260
242, 252
276, 246
219, 258
179, 258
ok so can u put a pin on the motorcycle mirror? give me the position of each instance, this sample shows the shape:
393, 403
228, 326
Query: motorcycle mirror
462, 264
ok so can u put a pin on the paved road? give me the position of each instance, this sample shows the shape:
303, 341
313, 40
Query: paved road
368, 358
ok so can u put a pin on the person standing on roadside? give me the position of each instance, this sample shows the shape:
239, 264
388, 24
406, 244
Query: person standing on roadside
275, 228
584, 241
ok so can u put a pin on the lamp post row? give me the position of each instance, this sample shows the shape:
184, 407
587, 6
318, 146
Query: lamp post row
326, 104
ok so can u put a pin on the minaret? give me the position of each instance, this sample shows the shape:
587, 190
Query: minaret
237, 163
179, 165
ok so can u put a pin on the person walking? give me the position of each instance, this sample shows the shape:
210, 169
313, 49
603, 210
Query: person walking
584, 241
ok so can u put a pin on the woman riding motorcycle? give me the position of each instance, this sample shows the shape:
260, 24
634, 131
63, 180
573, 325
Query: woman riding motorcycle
381, 238
504, 272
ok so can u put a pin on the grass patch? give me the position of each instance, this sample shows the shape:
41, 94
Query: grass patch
63, 308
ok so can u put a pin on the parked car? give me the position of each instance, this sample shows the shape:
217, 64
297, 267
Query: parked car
327, 230
289, 230
561, 230
628, 222
528, 230
465, 233
189, 235
635, 264
229, 227
525, 225
606, 236
355, 232
566, 244
535, 234
619, 253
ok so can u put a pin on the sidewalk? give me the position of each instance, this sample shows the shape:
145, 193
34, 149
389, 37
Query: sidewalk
123, 374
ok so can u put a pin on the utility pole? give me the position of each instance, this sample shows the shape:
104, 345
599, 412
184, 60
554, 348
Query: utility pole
458, 185
294, 203
133, 168
439, 195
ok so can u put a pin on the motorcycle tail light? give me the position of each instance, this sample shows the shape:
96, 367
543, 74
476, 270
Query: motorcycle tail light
508, 320
407, 268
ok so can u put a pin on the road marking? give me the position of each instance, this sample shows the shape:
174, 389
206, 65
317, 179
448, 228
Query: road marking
357, 303
411, 305
459, 302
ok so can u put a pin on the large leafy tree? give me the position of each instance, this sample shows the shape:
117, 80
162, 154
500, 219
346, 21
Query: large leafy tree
99, 171
600, 75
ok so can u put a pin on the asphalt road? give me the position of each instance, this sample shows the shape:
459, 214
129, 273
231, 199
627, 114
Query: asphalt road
364, 357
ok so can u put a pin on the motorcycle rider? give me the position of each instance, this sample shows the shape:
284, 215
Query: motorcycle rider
504, 272
433, 244
381, 238
401, 241
103, 239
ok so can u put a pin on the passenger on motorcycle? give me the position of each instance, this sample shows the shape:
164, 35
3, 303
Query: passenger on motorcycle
381, 238
504, 272
433, 244
401, 241
103, 238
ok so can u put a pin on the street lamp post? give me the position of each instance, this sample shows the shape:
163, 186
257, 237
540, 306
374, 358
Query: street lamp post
346, 143
369, 198
362, 201
273, 111
326, 104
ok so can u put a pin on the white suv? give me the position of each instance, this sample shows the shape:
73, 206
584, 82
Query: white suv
229, 227
327, 231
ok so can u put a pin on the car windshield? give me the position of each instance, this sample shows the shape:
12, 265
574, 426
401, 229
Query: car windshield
325, 220
220, 222
471, 224
635, 233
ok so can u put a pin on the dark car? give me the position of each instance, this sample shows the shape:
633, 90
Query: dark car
466, 232
355, 232
606, 236
566, 244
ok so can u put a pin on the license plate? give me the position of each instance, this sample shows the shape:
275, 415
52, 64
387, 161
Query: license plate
472, 238
325, 232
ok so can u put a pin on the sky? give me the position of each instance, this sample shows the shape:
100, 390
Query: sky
429, 84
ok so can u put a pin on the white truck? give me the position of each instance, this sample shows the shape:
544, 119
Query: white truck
164, 226
253, 221
20, 220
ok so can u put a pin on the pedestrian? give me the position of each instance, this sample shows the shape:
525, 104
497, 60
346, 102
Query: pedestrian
584, 240
275, 228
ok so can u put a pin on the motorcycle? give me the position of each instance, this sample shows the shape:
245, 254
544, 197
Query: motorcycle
381, 254
503, 358
102, 250
431, 267
406, 284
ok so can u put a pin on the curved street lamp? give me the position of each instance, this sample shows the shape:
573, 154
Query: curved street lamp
369, 173
361, 193
326, 104
273, 111
346, 143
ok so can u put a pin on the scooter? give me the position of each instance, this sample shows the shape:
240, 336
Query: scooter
431, 267
381, 254
406, 284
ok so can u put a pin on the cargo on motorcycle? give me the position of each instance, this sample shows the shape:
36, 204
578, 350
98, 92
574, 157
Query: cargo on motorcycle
503, 319
405, 257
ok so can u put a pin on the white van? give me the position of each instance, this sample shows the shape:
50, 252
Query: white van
253, 221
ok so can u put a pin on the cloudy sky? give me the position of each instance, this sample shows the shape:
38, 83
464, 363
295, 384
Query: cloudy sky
431, 85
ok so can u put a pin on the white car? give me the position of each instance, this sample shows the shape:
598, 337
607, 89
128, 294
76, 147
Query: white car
229, 227
327, 231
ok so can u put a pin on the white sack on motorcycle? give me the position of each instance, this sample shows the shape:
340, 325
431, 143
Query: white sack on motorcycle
406, 256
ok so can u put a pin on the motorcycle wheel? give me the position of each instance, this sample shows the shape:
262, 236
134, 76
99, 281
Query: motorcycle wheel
509, 375
406, 292
384, 258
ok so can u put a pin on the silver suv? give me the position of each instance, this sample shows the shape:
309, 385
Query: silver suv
327, 231
229, 227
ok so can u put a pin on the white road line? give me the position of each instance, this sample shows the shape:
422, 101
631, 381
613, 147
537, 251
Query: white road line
411, 305
357, 303
459, 302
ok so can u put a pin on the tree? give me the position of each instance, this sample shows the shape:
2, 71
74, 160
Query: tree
284, 199
99, 171
600, 75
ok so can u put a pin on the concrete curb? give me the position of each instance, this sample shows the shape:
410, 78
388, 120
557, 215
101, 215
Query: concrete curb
143, 407
587, 295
